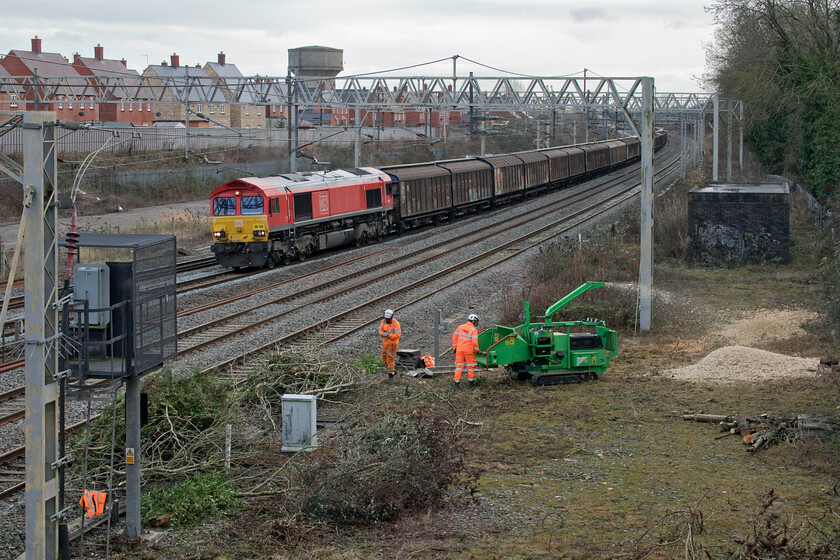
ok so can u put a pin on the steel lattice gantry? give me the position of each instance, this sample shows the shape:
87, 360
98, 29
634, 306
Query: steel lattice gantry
464, 92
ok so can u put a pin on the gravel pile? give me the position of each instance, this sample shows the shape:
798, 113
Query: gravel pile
735, 364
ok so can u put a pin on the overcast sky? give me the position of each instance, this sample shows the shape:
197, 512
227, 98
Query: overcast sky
659, 38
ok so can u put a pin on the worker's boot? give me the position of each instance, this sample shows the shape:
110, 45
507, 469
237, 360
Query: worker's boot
472, 383
391, 376
457, 384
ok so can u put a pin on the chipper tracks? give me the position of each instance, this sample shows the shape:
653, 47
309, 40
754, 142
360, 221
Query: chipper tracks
349, 321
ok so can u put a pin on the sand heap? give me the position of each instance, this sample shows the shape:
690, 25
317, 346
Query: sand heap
734, 364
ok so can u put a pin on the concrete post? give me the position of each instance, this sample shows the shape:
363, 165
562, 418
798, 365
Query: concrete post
133, 528
646, 257
437, 335
40, 265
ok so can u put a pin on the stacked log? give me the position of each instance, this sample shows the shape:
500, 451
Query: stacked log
758, 433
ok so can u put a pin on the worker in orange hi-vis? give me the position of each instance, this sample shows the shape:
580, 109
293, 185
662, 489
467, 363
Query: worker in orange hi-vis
465, 345
390, 332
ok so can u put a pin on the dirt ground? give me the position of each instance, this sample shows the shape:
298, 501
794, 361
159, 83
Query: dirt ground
609, 469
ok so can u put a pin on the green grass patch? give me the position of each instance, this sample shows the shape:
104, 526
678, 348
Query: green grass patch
203, 496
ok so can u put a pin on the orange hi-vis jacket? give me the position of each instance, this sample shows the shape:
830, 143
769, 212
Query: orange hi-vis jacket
93, 502
392, 329
465, 338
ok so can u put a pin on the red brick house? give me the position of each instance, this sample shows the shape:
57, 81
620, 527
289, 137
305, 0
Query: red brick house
130, 103
10, 95
67, 100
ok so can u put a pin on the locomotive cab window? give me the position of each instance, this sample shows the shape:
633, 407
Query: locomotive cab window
374, 198
275, 205
224, 206
251, 205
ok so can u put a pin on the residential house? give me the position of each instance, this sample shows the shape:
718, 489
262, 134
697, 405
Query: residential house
69, 99
10, 93
249, 112
129, 103
202, 94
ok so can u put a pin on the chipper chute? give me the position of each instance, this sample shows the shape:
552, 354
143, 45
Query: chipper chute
551, 352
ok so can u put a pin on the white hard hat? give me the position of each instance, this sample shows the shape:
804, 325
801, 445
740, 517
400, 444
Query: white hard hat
473, 317
389, 313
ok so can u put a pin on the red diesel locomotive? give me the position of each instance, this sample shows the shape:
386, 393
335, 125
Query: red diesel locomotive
262, 221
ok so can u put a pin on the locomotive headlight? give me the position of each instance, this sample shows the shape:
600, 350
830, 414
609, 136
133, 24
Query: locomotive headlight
259, 232
219, 234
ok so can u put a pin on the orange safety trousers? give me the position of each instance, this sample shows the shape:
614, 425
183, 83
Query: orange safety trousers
465, 358
93, 502
389, 353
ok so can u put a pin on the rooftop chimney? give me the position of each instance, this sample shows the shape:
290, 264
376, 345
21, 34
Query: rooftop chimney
222, 58
124, 63
164, 63
36, 45
175, 60
98, 52
76, 56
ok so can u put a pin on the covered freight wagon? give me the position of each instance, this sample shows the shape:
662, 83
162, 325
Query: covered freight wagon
508, 175
472, 181
423, 190
597, 157
535, 167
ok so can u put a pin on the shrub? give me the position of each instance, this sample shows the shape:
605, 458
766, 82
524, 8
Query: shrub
369, 364
204, 495
392, 465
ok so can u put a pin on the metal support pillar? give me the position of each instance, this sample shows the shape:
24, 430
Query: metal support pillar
133, 528
289, 115
715, 137
682, 145
42, 330
646, 257
729, 111
741, 138
357, 150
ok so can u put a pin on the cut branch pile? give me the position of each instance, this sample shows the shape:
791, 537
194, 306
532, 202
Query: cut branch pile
758, 433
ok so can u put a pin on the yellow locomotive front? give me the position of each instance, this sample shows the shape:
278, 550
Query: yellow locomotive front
240, 228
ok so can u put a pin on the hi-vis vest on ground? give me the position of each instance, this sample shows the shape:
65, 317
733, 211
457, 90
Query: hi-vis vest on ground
429, 360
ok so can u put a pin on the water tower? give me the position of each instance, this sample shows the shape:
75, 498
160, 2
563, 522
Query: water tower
316, 62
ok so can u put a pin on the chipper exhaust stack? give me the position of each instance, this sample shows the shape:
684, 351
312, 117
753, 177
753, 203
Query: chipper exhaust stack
550, 352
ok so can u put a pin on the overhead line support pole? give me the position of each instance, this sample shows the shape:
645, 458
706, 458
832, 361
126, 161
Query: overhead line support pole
42, 389
715, 137
646, 257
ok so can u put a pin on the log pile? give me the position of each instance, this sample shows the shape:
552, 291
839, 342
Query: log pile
758, 433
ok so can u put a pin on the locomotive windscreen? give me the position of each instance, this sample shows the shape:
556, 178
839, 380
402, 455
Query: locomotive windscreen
224, 206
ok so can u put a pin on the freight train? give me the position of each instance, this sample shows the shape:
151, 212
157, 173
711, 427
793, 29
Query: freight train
264, 221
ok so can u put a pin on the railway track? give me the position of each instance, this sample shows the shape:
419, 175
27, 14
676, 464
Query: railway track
343, 324
349, 321
17, 302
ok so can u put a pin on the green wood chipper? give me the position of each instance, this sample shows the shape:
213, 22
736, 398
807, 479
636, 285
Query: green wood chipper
550, 352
